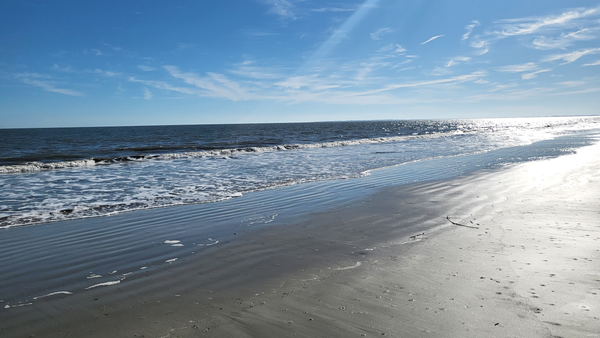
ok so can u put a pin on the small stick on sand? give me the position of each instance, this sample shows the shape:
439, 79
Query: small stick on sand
462, 225
417, 235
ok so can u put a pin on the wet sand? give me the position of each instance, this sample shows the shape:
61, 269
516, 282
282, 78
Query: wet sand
522, 259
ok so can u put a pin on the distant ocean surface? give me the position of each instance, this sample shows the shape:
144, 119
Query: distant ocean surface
57, 174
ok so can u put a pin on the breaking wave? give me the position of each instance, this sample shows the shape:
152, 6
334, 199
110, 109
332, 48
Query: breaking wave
42, 166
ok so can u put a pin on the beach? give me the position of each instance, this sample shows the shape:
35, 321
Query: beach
292, 168
507, 252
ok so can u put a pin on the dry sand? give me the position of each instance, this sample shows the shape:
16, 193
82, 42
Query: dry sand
527, 265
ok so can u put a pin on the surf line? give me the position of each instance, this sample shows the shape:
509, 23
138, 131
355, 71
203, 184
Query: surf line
103, 284
350, 267
54, 294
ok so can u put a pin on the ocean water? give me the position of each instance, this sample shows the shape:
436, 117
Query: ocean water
222, 183
50, 175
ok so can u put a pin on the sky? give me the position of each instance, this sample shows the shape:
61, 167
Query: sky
66, 63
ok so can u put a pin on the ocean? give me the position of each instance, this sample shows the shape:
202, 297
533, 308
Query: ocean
50, 175
82, 208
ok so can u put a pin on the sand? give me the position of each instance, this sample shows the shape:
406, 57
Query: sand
522, 259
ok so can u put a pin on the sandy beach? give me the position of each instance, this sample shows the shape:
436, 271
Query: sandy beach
293, 168
512, 252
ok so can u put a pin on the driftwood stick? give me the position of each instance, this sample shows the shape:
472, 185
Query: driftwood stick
417, 235
462, 225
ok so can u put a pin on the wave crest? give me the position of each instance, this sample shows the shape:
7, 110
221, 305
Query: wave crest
42, 166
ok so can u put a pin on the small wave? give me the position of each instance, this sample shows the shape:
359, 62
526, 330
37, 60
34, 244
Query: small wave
54, 294
42, 166
103, 284
350, 267
331, 144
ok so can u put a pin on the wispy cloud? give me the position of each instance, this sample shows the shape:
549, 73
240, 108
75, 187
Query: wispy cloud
385, 57
375, 76
113, 47
310, 82
431, 39
164, 86
249, 70
437, 71
349, 84
395, 48
482, 52
147, 94
146, 68
564, 40
572, 83
69, 69
573, 56
531, 25
556, 31
215, 85
533, 75
457, 60
479, 43
106, 72
597, 63
46, 83
283, 8
97, 52
381, 31
583, 91
501, 87
366, 68
517, 68
259, 33
317, 89
333, 9
469, 29
341, 33
506, 94
66, 69
456, 79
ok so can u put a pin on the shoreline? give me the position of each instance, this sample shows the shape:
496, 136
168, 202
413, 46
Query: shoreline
357, 270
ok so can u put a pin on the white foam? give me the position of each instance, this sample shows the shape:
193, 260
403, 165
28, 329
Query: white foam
178, 244
39, 166
272, 218
331, 144
171, 260
203, 177
213, 242
350, 267
103, 284
93, 276
173, 241
18, 305
54, 294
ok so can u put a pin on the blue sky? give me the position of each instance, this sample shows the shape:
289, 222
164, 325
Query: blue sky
102, 63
